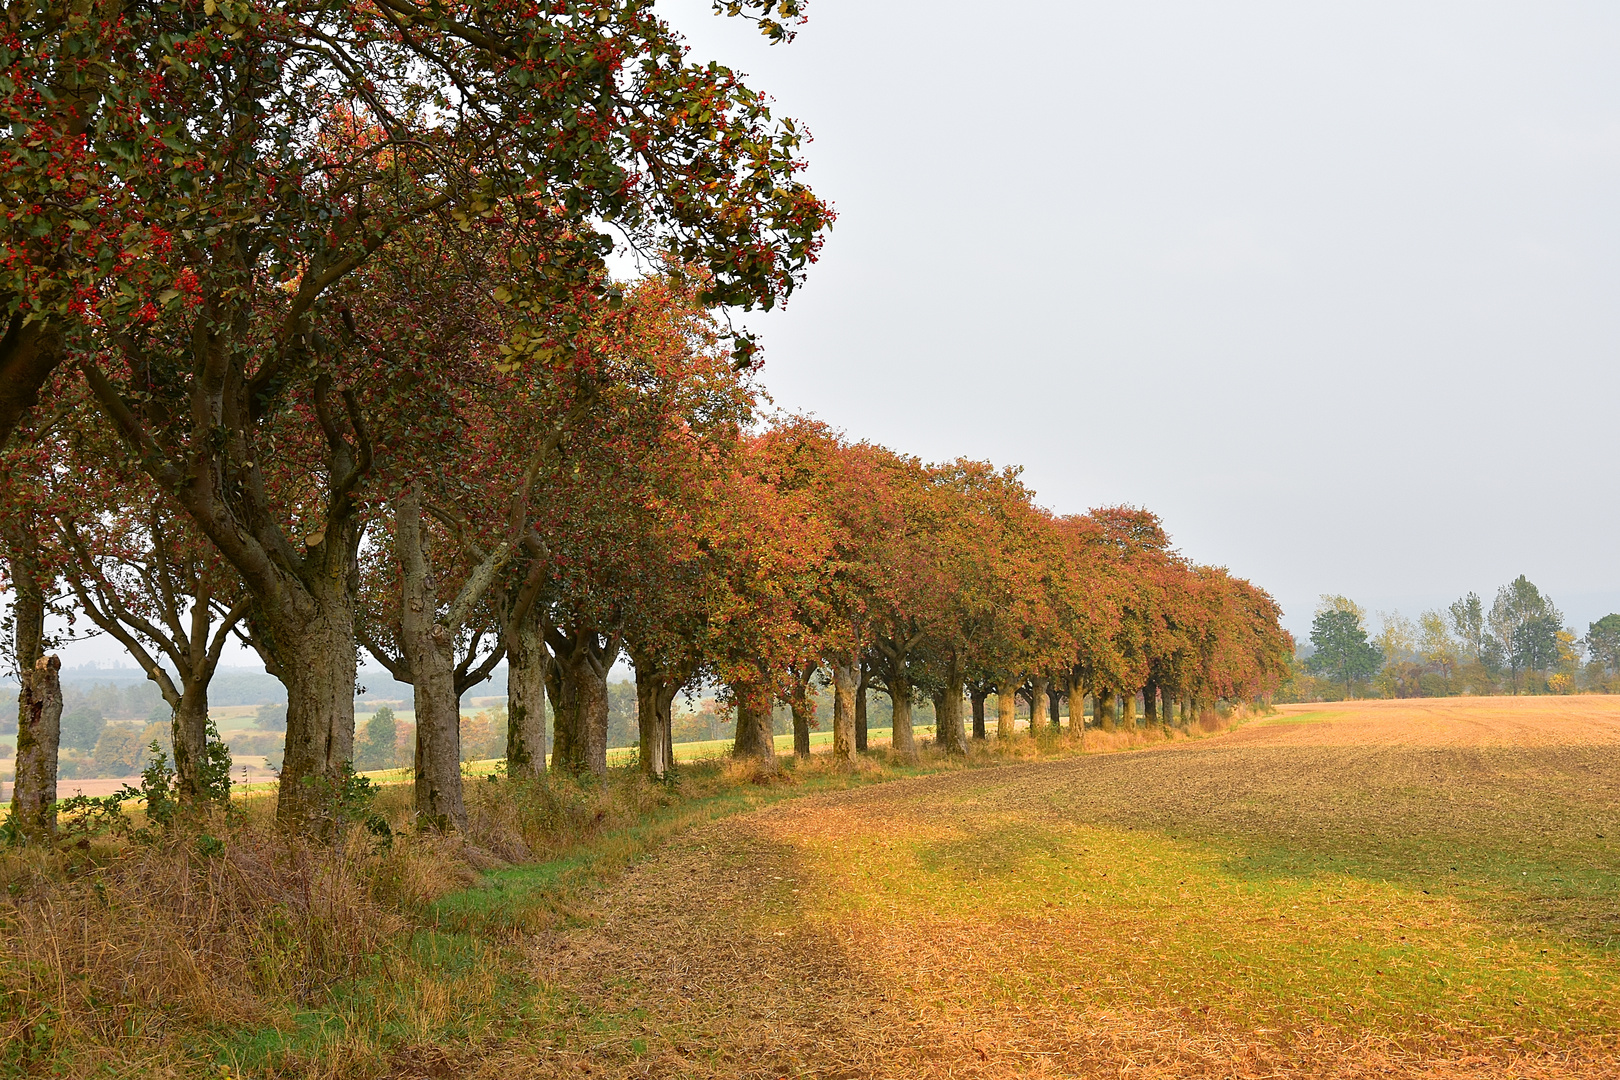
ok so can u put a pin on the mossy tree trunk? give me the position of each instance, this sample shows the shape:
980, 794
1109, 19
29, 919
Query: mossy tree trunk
755, 738
845, 687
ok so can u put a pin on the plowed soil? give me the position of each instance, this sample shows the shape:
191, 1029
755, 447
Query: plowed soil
1348, 890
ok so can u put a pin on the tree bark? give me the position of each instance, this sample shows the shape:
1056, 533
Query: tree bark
804, 711
948, 730
586, 751
649, 724
1054, 707
527, 665
564, 716
845, 687
655, 698
1006, 709
581, 720
1127, 709
1150, 704
1104, 714
977, 694
860, 711
903, 741
39, 734
754, 732
429, 648
189, 734
310, 635
39, 698
1038, 700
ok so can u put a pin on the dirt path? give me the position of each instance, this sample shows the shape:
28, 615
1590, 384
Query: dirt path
1129, 915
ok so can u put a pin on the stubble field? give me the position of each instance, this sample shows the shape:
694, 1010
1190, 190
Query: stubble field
1383, 888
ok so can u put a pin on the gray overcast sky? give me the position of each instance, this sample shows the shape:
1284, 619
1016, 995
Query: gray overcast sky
1331, 287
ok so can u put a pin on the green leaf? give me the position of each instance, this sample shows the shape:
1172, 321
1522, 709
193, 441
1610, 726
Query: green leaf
78, 224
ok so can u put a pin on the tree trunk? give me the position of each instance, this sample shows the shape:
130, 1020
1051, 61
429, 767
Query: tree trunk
189, 734
655, 698
1054, 707
590, 690
903, 741
804, 711
1077, 712
845, 687
977, 695
312, 640
1127, 707
754, 733
1104, 713
527, 664
649, 725
948, 730
580, 723
1006, 710
1037, 701
39, 734
429, 648
39, 699
567, 741
860, 712
1150, 704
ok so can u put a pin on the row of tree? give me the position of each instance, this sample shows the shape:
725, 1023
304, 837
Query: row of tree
1519, 644
311, 344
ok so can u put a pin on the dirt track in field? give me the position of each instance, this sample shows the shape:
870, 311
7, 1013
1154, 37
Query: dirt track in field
736, 953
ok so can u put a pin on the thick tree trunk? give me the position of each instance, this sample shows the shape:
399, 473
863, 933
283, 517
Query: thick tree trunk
860, 712
527, 664
1077, 712
580, 722
1104, 714
429, 647
189, 734
948, 731
845, 687
1127, 708
1054, 708
312, 640
439, 802
39, 735
903, 741
1150, 704
1037, 701
655, 699
650, 726
977, 696
590, 690
804, 713
754, 733
567, 740
1006, 710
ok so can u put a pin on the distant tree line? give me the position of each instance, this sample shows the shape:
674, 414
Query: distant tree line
1516, 645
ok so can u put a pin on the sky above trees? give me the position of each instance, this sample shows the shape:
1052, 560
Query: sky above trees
1328, 288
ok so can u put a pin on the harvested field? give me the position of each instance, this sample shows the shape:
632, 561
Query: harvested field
1364, 889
